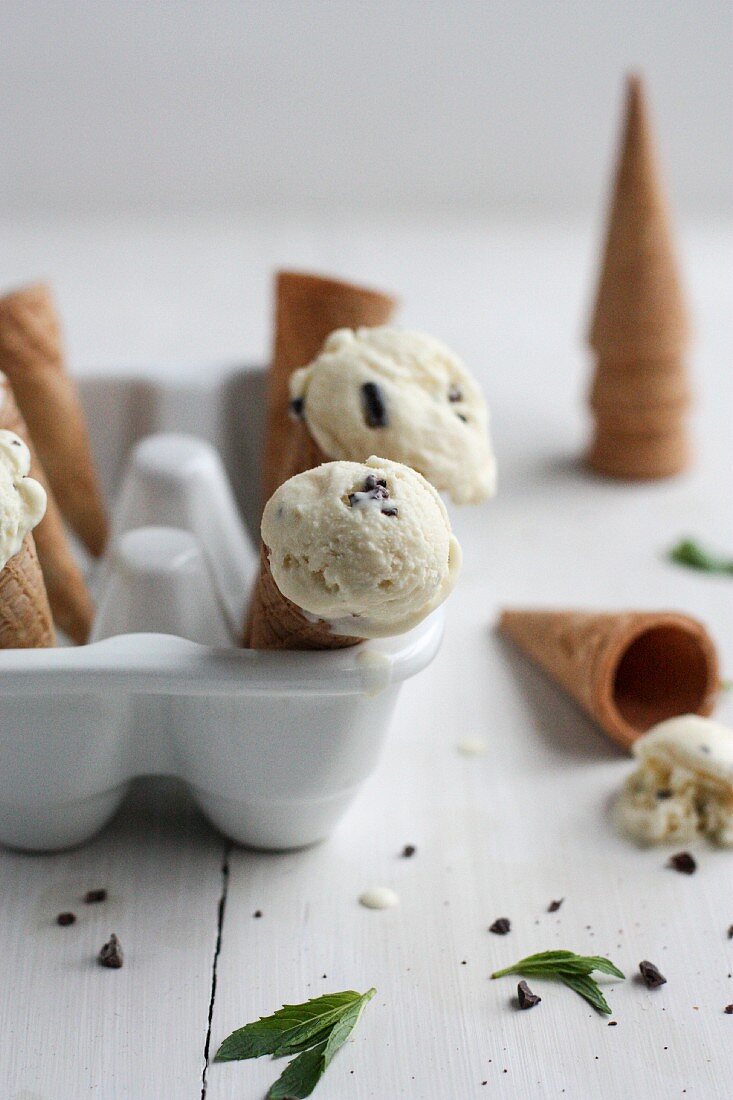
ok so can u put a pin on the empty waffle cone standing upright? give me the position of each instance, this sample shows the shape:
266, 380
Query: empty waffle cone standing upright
640, 329
31, 356
25, 617
628, 670
68, 595
307, 309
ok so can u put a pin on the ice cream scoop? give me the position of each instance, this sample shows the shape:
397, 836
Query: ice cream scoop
22, 499
684, 784
354, 550
401, 394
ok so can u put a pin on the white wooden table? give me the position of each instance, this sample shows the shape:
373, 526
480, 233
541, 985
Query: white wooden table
496, 835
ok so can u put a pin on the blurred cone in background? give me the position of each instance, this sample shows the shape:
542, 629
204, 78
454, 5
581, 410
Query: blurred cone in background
640, 329
307, 309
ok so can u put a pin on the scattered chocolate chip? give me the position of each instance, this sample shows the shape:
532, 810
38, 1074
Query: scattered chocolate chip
65, 919
373, 406
462, 417
257, 914
664, 794
408, 851
683, 862
501, 926
651, 975
730, 932
455, 394
111, 953
295, 408
728, 1010
555, 905
92, 897
527, 999
613, 1023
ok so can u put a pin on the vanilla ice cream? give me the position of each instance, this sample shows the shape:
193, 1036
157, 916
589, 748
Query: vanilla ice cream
684, 784
22, 500
401, 394
366, 547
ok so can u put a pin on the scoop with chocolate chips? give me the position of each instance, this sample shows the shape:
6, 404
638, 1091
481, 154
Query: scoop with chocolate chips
404, 395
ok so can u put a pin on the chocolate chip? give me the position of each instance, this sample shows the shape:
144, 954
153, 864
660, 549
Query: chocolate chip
462, 417
295, 408
391, 510
651, 975
257, 914
613, 1023
682, 862
664, 794
373, 406
408, 851
93, 897
65, 919
501, 926
555, 905
455, 394
111, 954
527, 999
374, 489
728, 1010
730, 932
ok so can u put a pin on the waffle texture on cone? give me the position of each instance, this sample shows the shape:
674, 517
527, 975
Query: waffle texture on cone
276, 623
639, 457
628, 670
307, 309
68, 595
25, 616
31, 355
640, 309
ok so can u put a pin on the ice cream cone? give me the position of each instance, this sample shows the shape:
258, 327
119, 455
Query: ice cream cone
276, 623
640, 310
68, 595
628, 670
25, 617
640, 327
307, 309
639, 457
31, 356
303, 453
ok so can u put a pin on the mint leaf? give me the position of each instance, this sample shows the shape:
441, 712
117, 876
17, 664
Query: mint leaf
693, 555
571, 969
345, 1026
288, 1030
300, 1076
588, 989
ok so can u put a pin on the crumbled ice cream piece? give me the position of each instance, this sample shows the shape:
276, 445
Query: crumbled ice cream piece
365, 547
379, 897
684, 784
401, 394
22, 499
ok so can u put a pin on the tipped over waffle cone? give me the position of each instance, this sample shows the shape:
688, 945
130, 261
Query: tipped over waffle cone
25, 617
274, 622
307, 309
628, 670
68, 595
31, 356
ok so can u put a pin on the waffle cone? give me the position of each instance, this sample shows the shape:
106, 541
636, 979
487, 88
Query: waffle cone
25, 617
640, 310
646, 420
640, 385
303, 453
307, 309
639, 457
31, 356
276, 623
627, 670
68, 595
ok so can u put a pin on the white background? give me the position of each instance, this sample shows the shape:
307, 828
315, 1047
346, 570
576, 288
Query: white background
475, 105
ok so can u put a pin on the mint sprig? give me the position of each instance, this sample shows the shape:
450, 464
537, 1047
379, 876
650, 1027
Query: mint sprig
315, 1031
690, 553
571, 969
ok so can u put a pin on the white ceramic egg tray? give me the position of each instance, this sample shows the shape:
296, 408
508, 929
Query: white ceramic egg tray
273, 745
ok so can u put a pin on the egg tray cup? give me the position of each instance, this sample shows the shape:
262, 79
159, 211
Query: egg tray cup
273, 746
